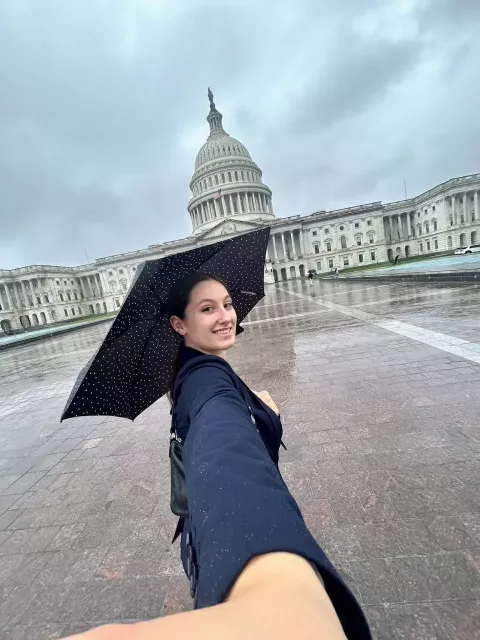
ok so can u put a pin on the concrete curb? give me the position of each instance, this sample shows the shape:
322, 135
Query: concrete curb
49, 334
447, 276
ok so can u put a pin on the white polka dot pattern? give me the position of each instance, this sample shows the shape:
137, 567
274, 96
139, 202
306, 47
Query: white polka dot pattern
133, 366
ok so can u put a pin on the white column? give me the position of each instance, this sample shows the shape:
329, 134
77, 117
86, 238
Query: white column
9, 299
24, 291
230, 199
217, 208
465, 207
247, 204
41, 290
475, 204
275, 254
2, 300
454, 214
294, 251
282, 235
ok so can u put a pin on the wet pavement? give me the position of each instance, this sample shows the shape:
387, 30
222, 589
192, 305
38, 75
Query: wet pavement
379, 389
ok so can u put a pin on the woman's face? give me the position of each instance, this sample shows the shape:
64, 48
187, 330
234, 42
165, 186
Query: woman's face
210, 320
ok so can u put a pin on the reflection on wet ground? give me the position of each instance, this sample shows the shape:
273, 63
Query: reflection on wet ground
379, 392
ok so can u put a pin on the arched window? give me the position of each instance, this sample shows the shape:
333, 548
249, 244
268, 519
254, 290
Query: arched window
371, 237
434, 222
210, 180
205, 184
427, 227
358, 239
449, 242
242, 174
216, 179
343, 242
342, 228
316, 248
223, 177
236, 175
419, 229
229, 176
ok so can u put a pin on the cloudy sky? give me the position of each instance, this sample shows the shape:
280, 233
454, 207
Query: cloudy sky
103, 106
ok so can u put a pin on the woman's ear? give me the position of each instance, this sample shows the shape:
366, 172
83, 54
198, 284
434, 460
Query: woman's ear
177, 325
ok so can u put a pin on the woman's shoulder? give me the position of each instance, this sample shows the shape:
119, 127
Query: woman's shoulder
204, 369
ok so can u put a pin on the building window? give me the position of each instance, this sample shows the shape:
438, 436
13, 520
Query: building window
462, 220
369, 223
330, 263
329, 246
39, 300
117, 302
319, 265
73, 311
243, 175
343, 241
418, 214
357, 224
358, 240
76, 295
372, 255
436, 244
433, 208
317, 248
58, 282
65, 311
314, 233
68, 295
428, 246
421, 247
427, 228
236, 175
113, 286
342, 228
223, 177
360, 257
124, 285
326, 231
434, 225
46, 298
61, 296
110, 273
65, 282
345, 261
216, 179
371, 239
451, 220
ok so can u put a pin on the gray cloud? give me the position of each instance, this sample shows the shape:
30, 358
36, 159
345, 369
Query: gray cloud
102, 112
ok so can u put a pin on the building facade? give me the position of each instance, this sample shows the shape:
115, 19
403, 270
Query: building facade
228, 198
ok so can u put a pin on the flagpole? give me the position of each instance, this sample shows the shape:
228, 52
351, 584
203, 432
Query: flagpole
405, 188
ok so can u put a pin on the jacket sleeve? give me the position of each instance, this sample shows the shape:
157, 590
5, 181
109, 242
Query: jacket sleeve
239, 504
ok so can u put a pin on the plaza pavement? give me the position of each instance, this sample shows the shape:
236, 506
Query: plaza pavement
379, 389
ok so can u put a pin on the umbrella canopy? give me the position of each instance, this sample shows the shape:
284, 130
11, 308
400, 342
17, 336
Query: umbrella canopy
134, 365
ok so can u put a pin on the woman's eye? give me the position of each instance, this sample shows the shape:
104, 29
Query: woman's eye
228, 305
207, 309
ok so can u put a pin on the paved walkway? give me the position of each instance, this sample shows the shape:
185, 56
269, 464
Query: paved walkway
379, 391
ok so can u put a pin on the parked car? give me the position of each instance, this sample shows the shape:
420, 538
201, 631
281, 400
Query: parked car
472, 248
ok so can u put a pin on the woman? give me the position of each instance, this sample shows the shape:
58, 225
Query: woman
254, 568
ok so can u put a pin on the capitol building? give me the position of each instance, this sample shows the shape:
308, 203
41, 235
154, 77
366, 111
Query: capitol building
229, 197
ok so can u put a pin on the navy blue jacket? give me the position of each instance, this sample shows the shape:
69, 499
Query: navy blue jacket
239, 505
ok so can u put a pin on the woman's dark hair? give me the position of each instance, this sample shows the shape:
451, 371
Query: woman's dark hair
176, 305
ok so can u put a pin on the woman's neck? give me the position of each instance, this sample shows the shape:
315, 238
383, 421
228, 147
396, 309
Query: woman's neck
220, 354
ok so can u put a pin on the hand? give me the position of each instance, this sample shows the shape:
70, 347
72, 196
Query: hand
268, 400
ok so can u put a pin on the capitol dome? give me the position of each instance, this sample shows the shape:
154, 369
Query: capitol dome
227, 183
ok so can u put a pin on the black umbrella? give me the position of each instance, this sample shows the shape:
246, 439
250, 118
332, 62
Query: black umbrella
134, 365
